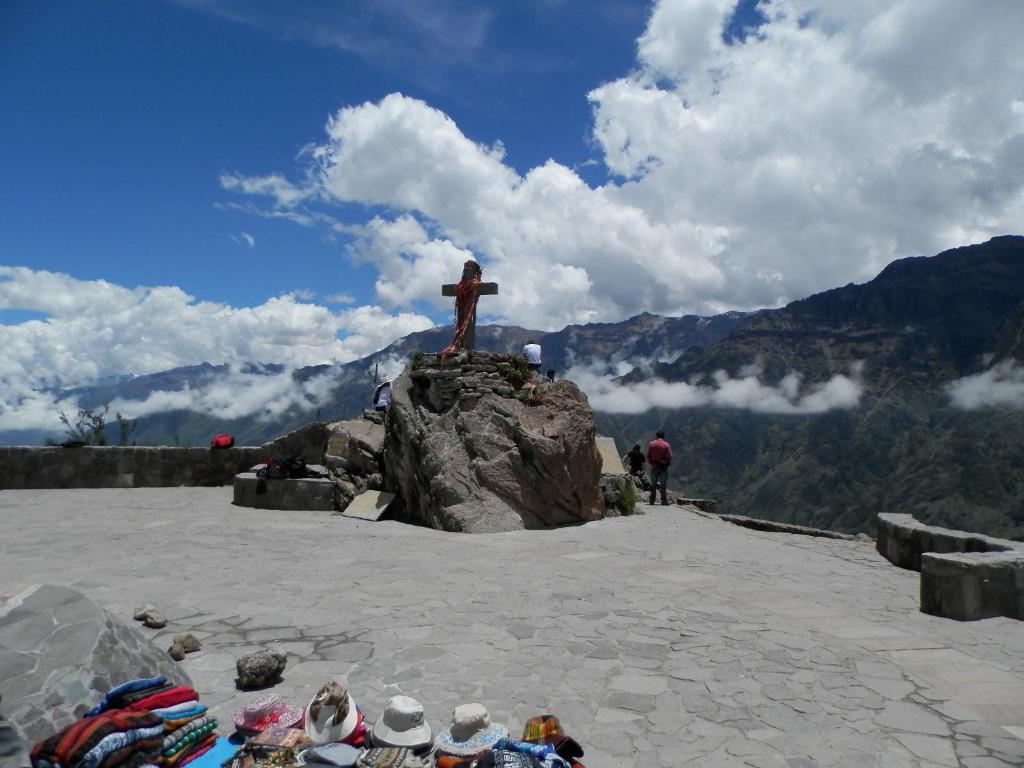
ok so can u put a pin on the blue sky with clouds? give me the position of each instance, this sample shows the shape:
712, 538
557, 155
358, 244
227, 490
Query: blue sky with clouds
231, 180
120, 118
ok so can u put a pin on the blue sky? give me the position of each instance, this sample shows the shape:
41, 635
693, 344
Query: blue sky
121, 116
194, 180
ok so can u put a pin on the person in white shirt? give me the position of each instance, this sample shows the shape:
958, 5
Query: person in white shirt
382, 396
532, 352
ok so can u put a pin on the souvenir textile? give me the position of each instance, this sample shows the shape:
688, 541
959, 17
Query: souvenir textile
112, 698
330, 756
389, 757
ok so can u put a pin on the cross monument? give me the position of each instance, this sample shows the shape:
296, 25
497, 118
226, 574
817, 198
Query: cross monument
469, 271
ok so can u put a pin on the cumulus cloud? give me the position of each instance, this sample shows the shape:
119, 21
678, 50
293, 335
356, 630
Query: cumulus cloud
1000, 385
837, 138
95, 328
790, 396
239, 392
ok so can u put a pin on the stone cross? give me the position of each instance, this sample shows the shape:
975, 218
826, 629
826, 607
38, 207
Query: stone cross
484, 289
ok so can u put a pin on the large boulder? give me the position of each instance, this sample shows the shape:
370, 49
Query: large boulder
60, 652
466, 451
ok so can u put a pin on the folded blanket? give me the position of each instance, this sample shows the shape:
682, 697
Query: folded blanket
112, 698
169, 711
198, 750
69, 746
168, 698
175, 736
175, 749
142, 751
126, 699
183, 718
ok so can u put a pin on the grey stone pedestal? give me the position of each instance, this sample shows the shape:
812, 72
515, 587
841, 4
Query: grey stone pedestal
308, 493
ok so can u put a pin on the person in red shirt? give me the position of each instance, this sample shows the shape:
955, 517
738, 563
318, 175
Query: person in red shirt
659, 456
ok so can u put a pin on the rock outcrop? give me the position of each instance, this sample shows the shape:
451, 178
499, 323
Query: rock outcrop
468, 451
60, 652
354, 457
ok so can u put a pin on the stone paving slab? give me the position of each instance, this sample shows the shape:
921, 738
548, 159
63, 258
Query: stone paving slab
666, 639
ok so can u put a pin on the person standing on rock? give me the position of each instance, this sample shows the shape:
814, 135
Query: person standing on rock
532, 352
382, 396
659, 456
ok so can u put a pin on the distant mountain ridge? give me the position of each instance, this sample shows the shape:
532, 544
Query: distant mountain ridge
921, 324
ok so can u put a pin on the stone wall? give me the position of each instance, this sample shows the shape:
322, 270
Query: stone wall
902, 540
148, 466
964, 576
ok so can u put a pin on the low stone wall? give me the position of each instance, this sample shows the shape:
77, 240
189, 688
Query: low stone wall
148, 466
122, 466
964, 576
902, 540
770, 526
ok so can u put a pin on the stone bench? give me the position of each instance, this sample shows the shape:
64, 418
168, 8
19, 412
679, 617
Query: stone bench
964, 576
307, 493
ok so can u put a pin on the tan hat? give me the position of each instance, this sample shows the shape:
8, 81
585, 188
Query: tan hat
403, 724
471, 731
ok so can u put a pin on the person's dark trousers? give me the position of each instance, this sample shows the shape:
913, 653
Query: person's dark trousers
659, 479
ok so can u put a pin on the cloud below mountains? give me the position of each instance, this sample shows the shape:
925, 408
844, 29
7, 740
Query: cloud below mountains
790, 396
1000, 385
832, 140
95, 328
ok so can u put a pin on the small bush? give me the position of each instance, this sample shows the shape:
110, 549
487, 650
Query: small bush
517, 373
415, 358
89, 427
625, 500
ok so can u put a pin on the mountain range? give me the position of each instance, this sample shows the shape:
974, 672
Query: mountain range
898, 342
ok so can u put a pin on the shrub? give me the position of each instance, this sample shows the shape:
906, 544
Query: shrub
517, 373
88, 427
625, 499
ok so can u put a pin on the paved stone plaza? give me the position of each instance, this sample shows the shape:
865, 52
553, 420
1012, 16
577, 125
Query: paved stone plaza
667, 639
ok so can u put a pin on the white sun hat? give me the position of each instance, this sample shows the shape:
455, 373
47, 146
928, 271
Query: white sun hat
331, 715
471, 731
403, 724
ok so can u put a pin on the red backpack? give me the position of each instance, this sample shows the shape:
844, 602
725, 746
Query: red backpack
222, 441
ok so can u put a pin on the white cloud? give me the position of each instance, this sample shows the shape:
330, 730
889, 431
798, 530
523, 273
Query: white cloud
812, 154
238, 393
340, 298
96, 328
282, 192
749, 392
1000, 385
245, 238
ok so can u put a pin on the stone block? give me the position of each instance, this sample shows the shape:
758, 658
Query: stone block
964, 576
308, 493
